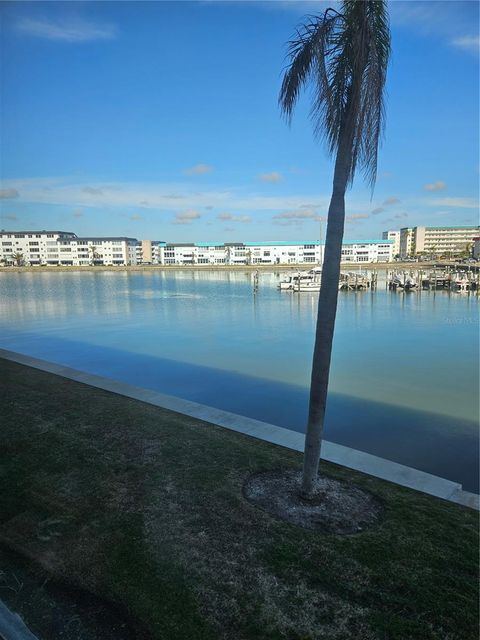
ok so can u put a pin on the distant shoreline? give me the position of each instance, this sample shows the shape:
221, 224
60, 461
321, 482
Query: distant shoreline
378, 266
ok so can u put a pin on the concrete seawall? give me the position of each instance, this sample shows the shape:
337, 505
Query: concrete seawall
345, 456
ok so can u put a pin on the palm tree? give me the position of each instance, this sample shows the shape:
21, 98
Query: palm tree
345, 55
93, 254
18, 259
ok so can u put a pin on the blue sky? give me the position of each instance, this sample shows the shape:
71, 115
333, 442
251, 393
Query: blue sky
160, 120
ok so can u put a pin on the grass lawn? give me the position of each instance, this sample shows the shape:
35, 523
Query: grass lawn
144, 508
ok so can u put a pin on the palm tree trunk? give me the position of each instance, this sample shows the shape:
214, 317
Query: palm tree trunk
327, 309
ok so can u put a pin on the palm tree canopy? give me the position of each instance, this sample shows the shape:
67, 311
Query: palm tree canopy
346, 55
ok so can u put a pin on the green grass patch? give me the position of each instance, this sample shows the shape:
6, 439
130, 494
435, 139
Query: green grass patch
144, 508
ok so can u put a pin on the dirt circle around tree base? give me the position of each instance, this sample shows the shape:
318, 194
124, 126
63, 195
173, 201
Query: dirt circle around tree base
336, 507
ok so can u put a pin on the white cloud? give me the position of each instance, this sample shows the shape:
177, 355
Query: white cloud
136, 216
10, 216
439, 185
78, 213
272, 177
378, 210
390, 201
289, 223
198, 170
461, 203
67, 30
186, 217
234, 218
467, 43
7, 194
356, 218
301, 214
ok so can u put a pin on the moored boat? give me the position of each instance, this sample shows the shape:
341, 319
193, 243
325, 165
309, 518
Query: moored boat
303, 281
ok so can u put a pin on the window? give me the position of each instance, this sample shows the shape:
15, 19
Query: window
33, 244
6, 244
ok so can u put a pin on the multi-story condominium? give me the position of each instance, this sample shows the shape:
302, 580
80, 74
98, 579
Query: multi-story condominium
97, 251
64, 248
31, 247
367, 251
150, 252
280, 252
442, 240
395, 237
407, 242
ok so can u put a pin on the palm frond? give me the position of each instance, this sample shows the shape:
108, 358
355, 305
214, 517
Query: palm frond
345, 56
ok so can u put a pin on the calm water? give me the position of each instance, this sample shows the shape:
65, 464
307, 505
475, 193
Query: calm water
404, 380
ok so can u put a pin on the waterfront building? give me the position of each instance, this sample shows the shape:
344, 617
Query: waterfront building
367, 251
150, 252
65, 248
395, 237
407, 242
271, 253
99, 251
442, 240
31, 247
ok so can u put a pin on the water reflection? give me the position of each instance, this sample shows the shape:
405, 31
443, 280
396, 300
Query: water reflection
417, 351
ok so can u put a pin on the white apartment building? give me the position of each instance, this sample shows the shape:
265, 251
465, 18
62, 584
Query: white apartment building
367, 251
407, 242
64, 248
394, 236
443, 240
272, 253
108, 251
31, 247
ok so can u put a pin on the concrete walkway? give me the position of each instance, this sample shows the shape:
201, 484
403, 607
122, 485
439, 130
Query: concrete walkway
350, 458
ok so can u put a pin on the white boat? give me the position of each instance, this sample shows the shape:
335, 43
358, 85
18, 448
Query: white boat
402, 281
303, 281
460, 282
353, 280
